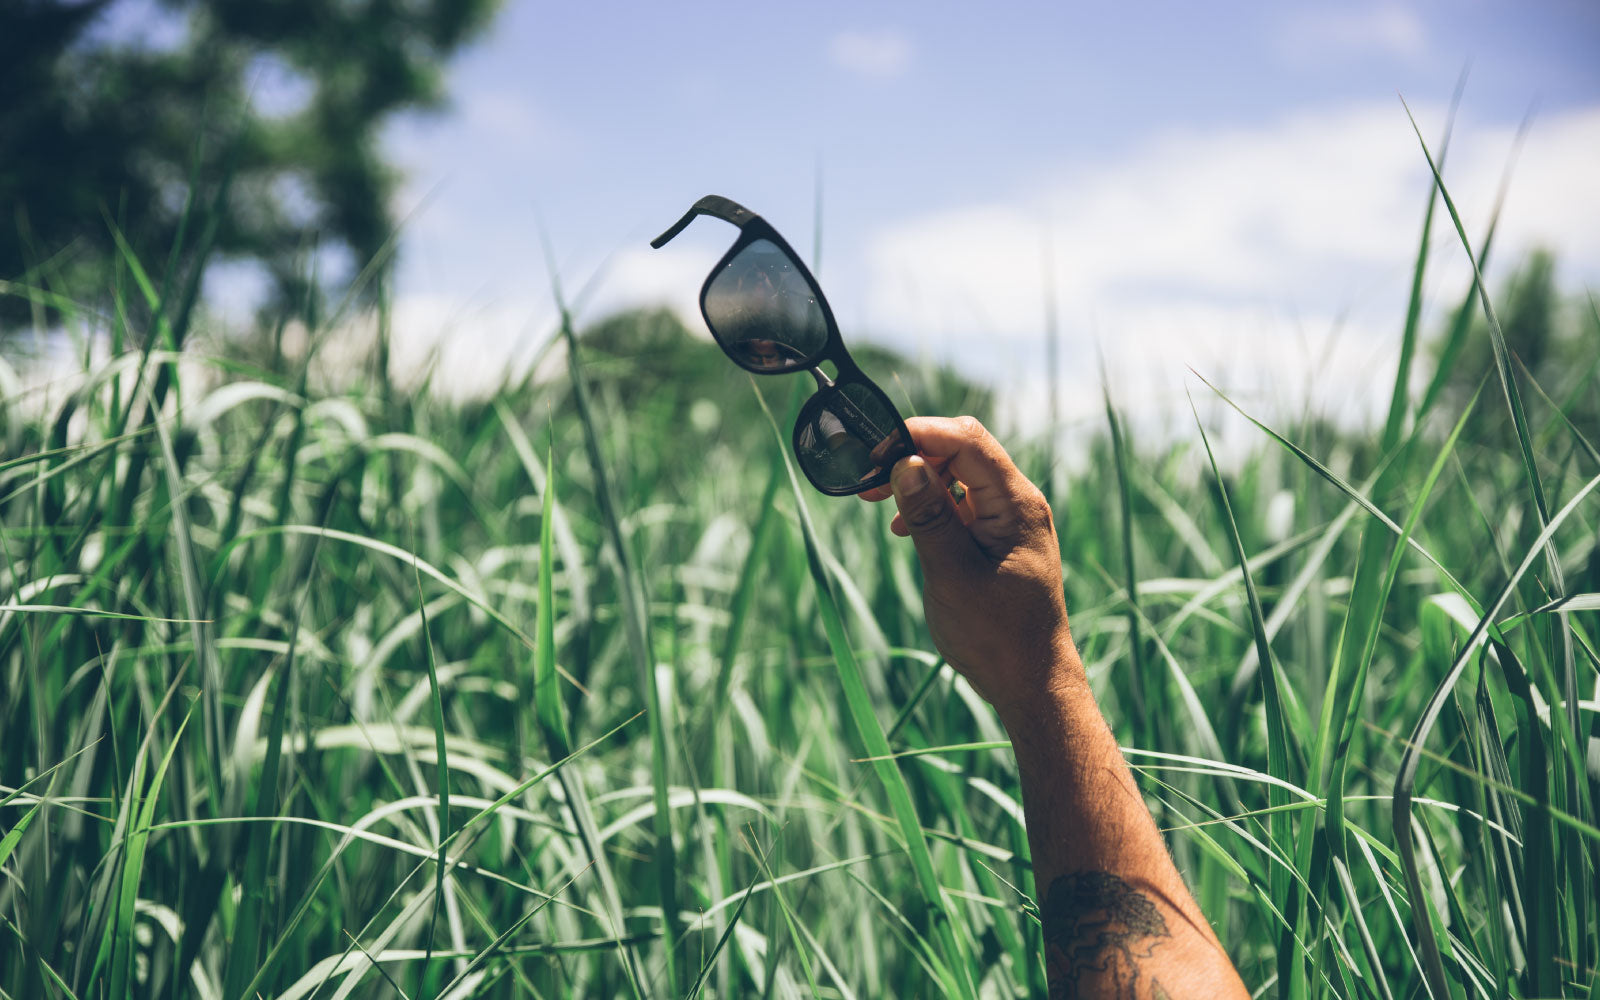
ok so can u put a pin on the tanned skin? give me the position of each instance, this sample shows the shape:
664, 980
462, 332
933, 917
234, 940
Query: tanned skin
1118, 919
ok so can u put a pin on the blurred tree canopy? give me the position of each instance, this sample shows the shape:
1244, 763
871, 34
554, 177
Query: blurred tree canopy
648, 364
262, 114
651, 363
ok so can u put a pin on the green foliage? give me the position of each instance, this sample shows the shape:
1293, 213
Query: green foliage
102, 122
305, 694
1550, 337
651, 365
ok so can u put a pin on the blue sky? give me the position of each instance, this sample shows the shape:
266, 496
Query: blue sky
1229, 185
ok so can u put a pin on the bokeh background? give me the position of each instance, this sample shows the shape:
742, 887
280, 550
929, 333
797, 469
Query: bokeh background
1231, 186
1234, 187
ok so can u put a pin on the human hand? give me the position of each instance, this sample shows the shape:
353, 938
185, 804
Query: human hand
991, 564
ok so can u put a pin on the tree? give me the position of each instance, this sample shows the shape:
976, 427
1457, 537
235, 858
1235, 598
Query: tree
116, 115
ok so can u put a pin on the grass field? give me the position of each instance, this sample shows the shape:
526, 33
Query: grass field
577, 692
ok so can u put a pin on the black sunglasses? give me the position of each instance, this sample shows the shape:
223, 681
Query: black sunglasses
767, 314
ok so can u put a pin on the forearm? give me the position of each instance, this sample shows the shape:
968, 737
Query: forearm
1118, 920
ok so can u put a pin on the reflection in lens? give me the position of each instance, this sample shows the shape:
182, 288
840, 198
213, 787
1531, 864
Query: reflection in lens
763, 312
849, 435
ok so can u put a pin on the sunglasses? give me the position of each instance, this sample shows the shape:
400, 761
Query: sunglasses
767, 314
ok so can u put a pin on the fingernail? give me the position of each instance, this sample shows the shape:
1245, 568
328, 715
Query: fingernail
912, 478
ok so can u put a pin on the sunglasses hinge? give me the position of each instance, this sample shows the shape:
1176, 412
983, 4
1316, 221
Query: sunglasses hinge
823, 381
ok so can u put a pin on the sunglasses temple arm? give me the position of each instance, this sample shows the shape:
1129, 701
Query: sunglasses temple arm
677, 227
713, 205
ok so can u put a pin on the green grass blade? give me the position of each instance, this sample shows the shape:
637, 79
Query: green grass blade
637, 626
209, 674
473, 823
710, 961
1575, 784
246, 943
133, 866
1408, 337
13, 836
1427, 944
1345, 488
789, 922
1461, 317
871, 733
436, 702
546, 693
566, 540
1541, 911
1278, 743
394, 551
1142, 684
1367, 633
1502, 355
744, 591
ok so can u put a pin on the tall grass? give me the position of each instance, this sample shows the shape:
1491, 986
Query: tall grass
311, 693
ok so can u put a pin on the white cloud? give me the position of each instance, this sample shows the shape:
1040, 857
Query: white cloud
1275, 260
1237, 252
1554, 197
880, 54
644, 277
1317, 35
468, 349
1271, 363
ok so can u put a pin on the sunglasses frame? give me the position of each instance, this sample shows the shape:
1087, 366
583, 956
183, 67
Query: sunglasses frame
752, 228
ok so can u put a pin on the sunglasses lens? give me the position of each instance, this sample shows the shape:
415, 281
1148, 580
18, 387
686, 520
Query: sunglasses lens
848, 436
763, 312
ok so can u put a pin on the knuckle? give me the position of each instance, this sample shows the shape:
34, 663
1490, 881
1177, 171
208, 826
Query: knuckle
971, 428
1028, 510
923, 517
1036, 509
1004, 523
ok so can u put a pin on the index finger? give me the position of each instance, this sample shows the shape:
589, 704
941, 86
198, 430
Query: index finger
965, 449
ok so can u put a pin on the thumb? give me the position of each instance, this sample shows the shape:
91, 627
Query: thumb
944, 546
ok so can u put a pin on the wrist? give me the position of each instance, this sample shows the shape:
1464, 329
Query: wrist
1061, 687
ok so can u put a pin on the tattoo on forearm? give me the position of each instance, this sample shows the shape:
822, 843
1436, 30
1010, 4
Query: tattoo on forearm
1098, 929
